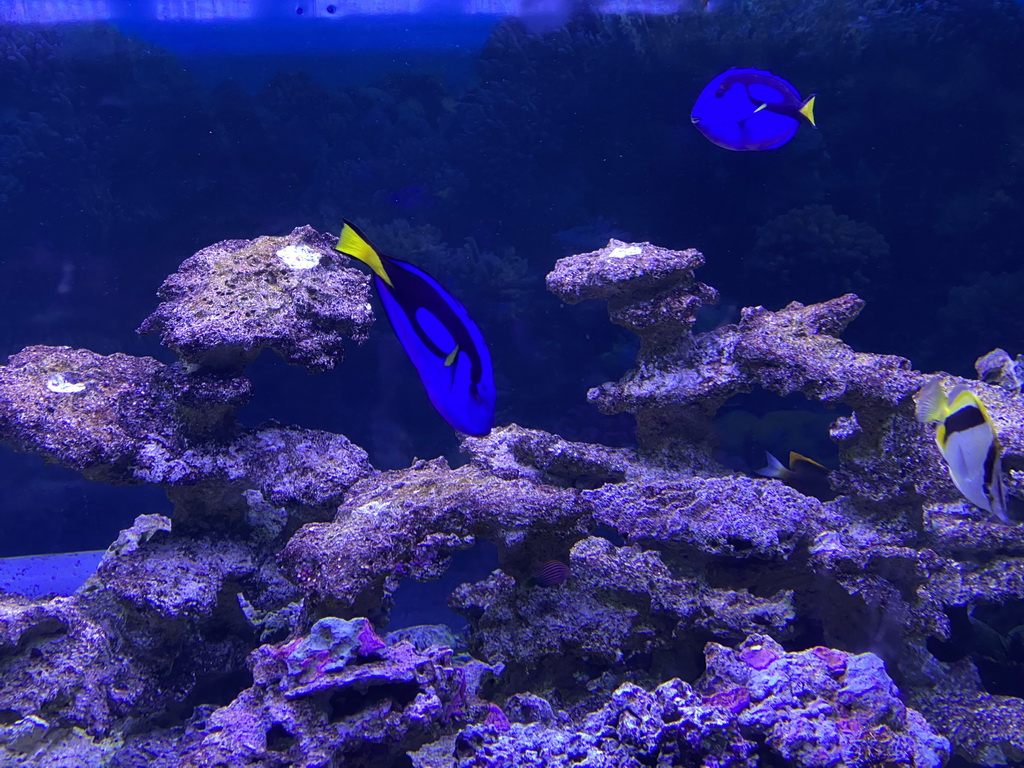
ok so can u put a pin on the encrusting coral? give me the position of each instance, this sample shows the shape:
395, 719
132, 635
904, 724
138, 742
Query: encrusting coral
242, 629
815, 708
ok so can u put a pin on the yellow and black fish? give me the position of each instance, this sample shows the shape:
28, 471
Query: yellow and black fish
804, 475
967, 441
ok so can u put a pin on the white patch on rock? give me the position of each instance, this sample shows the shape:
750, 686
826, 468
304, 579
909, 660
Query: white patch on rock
57, 383
299, 256
826, 541
622, 251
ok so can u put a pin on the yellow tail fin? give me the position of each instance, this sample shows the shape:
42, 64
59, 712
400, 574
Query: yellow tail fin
807, 110
353, 243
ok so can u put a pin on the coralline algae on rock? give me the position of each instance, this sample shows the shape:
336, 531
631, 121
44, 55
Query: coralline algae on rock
235, 630
331, 644
233, 299
356, 702
822, 707
819, 708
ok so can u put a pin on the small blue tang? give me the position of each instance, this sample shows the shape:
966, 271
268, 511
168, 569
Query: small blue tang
441, 339
750, 109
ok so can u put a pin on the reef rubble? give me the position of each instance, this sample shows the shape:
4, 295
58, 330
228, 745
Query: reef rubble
705, 617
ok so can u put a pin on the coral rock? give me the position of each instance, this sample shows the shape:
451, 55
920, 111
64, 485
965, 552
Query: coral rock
362, 705
823, 707
233, 299
102, 414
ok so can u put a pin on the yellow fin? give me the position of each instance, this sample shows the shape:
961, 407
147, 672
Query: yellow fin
352, 243
807, 109
931, 400
451, 356
796, 458
960, 396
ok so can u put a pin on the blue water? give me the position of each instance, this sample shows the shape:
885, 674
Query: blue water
483, 140
351, 51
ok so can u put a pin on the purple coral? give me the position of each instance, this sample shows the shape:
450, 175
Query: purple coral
822, 707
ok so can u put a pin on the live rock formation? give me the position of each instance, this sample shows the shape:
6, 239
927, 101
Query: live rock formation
706, 617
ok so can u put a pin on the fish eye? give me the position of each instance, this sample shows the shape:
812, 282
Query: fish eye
299, 11
331, 8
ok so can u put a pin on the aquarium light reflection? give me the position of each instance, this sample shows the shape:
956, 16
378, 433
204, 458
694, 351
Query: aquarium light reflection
204, 10
62, 11
53, 11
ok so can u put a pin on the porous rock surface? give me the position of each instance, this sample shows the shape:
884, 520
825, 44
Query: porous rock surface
704, 616
290, 294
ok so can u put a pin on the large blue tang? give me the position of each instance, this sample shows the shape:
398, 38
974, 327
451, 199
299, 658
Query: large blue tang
441, 339
750, 109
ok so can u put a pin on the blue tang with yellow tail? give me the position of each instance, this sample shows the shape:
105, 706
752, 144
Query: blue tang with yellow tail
967, 441
441, 339
750, 109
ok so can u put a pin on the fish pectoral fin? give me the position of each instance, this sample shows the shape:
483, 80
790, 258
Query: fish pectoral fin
796, 458
930, 401
763, 106
448, 361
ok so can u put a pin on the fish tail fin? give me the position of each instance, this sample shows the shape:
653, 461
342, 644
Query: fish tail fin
932, 404
807, 109
775, 468
354, 243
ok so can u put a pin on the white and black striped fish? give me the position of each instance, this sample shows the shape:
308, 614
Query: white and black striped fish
967, 441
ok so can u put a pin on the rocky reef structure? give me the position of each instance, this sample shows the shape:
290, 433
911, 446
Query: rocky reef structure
699, 616
814, 708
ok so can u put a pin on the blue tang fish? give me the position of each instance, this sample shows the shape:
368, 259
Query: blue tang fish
439, 336
750, 109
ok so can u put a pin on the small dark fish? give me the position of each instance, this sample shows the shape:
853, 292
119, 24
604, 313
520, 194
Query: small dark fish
552, 573
750, 109
440, 337
804, 475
